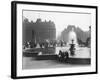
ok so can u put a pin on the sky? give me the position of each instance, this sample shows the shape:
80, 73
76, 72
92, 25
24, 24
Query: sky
61, 20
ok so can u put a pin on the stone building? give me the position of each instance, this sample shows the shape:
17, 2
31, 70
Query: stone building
38, 31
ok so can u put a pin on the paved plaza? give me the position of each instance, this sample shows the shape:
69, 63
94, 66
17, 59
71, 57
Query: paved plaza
32, 63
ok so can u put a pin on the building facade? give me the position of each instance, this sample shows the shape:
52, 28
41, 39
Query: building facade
38, 31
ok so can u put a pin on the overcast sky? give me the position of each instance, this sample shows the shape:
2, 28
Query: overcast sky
61, 20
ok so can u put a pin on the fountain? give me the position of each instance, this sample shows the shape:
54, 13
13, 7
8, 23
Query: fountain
72, 36
72, 41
